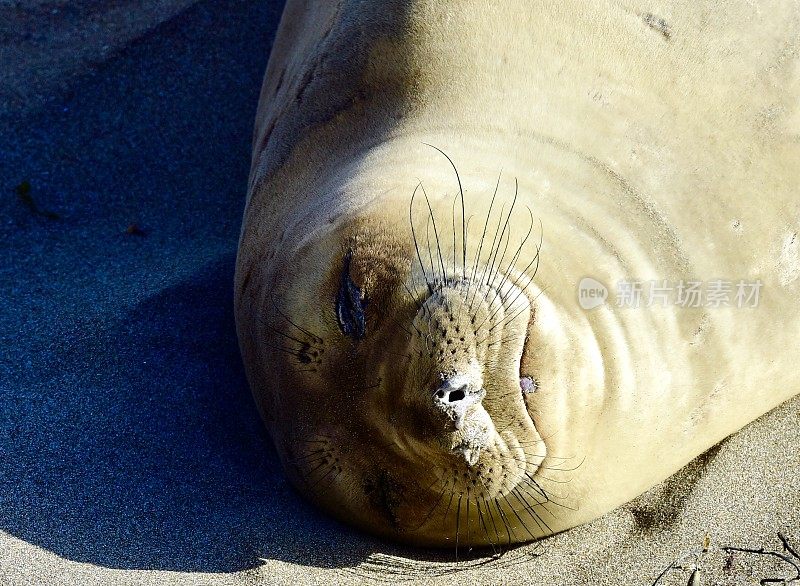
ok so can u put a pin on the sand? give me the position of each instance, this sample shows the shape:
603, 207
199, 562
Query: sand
130, 449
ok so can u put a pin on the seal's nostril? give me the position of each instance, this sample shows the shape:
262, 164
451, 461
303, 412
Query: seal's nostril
456, 396
440, 394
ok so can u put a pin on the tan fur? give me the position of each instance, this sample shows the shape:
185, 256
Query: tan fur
652, 140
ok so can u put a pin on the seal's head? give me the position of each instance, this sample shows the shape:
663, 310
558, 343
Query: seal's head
389, 373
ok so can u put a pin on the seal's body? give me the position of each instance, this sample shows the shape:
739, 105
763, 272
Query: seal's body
431, 184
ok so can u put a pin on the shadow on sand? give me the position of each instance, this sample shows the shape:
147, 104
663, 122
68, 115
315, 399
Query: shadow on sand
128, 437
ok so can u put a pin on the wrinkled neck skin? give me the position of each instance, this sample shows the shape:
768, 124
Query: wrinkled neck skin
430, 374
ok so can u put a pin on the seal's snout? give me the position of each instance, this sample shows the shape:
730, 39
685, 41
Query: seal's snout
465, 367
457, 397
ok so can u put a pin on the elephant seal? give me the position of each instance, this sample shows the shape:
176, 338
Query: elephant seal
452, 210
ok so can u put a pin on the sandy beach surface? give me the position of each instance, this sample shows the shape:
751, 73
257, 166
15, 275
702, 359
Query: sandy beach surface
130, 449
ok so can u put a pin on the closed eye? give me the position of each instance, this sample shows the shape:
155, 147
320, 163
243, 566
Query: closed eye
350, 304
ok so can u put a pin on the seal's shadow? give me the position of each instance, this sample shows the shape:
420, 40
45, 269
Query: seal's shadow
168, 464
162, 461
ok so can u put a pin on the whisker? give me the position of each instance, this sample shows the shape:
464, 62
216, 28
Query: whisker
430, 252
536, 259
413, 300
286, 317
511, 263
483, 236
514, 511
502, 513
468, 519
494, 241
436, 233
509, 528
458, 522
414, 234
494, 271
466, 293
433, 508
463, 227
482, 522
537, 518
288, 351
453, 216
505, 225
508, 319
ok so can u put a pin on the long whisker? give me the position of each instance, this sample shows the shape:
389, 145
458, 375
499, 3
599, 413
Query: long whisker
286, 317
436, 233
463, 214
414, 234
458, 522
430, 252
493, 275
483, 236
536, 259
483, 525
537, 518
508, 319
514, 511
433, 508
453, 216
504, 517
494, 241
468, 500
513, 261
508, 217
466, 293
